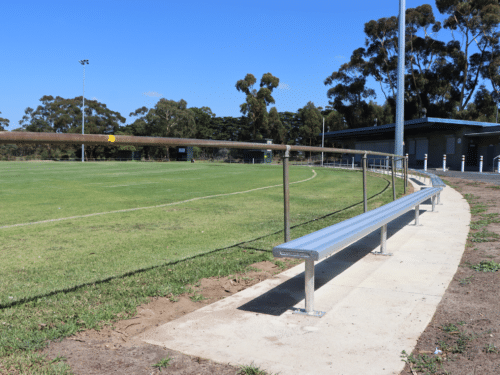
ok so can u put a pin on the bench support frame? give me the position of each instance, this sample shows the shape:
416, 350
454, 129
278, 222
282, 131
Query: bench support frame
417, 214
309, 281
383, 242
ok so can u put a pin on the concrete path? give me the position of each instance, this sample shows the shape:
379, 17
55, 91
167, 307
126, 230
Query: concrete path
376, 306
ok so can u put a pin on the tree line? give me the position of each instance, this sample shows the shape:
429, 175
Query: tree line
440, 80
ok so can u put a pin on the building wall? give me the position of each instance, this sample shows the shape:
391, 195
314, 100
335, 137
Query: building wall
435, 143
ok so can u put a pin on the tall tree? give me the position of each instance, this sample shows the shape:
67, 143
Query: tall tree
203, 118
3, 122
476, 20
351, 90
168, 118
276, 128
312, 121
491, 69
291, 122
257, 101
62, 115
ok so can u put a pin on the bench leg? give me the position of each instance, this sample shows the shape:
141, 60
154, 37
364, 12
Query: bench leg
309, 289
417, 214
439, 198
383, 242
309, 284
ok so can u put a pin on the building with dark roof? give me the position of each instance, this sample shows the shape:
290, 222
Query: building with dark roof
432, 136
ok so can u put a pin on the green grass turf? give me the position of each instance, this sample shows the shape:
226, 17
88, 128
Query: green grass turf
26, 326
54, 256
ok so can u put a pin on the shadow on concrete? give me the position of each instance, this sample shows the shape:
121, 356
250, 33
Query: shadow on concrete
416, 181
284, 296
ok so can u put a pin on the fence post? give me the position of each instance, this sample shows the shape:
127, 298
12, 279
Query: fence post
286, 194
404, 175
444, 163
407, 162
353, 162
365, 206
393, 180
425, 163
463, 163
481, 164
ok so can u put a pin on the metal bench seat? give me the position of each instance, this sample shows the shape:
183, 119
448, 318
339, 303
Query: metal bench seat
435, 180
320, 244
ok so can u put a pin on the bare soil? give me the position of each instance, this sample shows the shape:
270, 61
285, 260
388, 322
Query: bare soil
119, 349
471, 304
466, 324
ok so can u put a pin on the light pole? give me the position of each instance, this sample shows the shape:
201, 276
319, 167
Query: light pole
398, 140
323, 141
83, 62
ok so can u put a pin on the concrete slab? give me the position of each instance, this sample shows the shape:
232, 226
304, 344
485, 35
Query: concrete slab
376, 306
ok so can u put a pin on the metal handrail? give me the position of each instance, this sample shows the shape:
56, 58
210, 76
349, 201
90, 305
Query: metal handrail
129, 140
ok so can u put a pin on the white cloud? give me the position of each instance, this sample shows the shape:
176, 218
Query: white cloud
151, 93
283, 86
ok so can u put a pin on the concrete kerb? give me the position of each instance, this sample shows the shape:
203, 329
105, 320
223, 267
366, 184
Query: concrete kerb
375, 306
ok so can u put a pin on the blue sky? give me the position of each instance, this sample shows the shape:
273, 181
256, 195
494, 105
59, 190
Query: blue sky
140, 51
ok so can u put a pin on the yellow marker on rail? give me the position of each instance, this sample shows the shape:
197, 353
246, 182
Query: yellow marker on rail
111, 138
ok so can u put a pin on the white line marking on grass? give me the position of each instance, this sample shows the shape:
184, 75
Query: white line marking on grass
158, 206
140, 183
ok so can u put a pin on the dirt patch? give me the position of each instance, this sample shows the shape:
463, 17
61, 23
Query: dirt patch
119, 349
466, 324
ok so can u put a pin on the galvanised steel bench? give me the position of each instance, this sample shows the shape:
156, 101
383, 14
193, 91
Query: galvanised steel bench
320, 244
435, 181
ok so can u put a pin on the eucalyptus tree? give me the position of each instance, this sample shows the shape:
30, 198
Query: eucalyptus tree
291, 124
351, 89
203, 118
3, 122
312, 122
276, 128
257, 101
476, 20
168, 118
61, 115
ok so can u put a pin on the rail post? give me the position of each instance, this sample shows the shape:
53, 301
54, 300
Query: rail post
463, 163
406, 170
404, 175
417, 213
481, 164
498, 166
365, 206
353, 162
393, 179
425, 163
444, 163
286, 194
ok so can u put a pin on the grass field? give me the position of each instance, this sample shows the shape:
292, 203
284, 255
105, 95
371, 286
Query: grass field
79, 271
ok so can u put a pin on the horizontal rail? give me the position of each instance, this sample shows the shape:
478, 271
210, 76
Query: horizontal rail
129, 140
